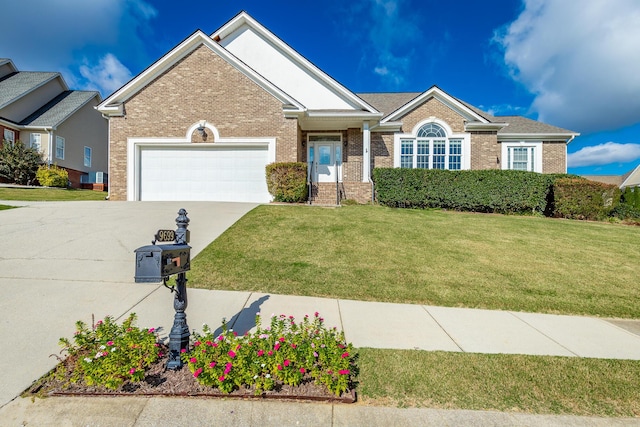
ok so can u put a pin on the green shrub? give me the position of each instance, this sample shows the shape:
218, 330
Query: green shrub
287, 182
629, 206
19, 163
578, 198
52, 176
499, 191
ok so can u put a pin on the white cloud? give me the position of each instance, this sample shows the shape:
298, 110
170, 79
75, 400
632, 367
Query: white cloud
579, 59
108, 75
603, 154
93, 28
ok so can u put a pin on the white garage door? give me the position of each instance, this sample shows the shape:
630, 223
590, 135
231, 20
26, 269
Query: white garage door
229, 174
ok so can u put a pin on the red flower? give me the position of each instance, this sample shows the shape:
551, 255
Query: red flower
344, 371
227, 368
281, 339
316, 314
260, 353
193, 360
345, 354
221, 379
279, 367
196, 344
209, 343
197, 372
212, 364
294, 346
183, 350
286, 362
277, 346
270, 353
302, 370
231, 354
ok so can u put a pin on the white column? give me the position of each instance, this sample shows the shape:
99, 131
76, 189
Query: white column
366, 152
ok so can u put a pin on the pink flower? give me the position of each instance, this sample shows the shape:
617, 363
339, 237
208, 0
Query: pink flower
329, 372
231, 354
302, 370
105, 353
287, 362
281, 339
279, 367
345, 354
155, 345
227, 368
109, 343
277, 346
193, 360
183, 350
340, 346
99, 322
221, 379
197, 372
344, 371
294, 346
315, 354
132, 371
160, 354
209, 343
215, 344
151, 330
235, 334
316, 314
270, 353
197, 343
212, 364
238, 347
260, 352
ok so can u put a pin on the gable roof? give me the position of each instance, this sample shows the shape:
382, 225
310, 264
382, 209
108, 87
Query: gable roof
56, 111
268, 55
113, 104
519, 126
15, 86
632, 178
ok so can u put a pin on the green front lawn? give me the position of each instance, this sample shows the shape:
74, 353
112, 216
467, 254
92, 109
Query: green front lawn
49, 194
429, 257
500, 382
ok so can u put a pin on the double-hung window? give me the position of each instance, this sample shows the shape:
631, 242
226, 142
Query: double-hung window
9, 136
432, 148
36, 141
59, 147
522, 156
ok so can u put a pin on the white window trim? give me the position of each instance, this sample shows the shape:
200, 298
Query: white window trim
84, 156
61, 140
11, 139
32, 139
465, 163
537, 148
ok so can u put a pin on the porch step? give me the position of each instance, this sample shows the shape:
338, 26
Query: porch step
323, 194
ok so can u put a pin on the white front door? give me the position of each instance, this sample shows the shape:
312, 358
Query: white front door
325, 161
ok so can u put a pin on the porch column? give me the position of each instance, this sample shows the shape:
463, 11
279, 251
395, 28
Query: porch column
366, 152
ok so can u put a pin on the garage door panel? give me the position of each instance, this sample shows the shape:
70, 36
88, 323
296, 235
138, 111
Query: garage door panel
203, 174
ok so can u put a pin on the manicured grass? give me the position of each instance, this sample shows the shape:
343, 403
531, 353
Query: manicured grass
49, 194
534, 384
429, 257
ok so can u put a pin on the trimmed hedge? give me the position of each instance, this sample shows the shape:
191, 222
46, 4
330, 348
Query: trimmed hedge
287, 182
577, 198
52, 176
497, 191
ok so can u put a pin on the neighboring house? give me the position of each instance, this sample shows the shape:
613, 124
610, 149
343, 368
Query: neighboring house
629, 179
38, 109
202, 122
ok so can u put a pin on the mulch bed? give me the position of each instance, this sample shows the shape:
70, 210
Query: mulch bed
162, 382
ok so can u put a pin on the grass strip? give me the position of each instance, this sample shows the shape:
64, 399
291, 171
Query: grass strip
37, 194
515, 383
432, 257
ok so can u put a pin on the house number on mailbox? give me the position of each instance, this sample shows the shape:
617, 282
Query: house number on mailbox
165, 236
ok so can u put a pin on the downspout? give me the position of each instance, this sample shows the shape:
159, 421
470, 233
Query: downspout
366, 152
108, 196
50, 153
566, 154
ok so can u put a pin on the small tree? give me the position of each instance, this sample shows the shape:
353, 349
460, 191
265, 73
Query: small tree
19, 163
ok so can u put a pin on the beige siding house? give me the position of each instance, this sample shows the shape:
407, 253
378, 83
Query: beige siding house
38, 109
203, 121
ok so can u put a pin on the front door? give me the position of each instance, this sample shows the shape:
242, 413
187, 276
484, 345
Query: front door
325, 160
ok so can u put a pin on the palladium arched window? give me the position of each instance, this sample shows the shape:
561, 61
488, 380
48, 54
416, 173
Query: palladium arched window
431, 148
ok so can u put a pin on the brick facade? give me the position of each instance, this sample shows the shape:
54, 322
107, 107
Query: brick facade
485, 150
201, 86
554, 157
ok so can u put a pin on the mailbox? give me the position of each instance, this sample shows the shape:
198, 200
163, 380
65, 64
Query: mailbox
157, 262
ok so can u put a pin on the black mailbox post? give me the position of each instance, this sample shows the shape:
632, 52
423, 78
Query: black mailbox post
155, 263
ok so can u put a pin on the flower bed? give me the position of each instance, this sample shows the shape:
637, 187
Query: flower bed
284, 359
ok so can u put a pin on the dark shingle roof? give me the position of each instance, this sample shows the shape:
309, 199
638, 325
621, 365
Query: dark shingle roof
519, 124
388, 102
18, 84
59, 108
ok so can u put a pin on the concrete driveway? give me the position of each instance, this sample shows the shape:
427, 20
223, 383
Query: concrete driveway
64, 261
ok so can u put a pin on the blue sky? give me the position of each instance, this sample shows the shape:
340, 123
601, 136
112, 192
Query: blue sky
573, 64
